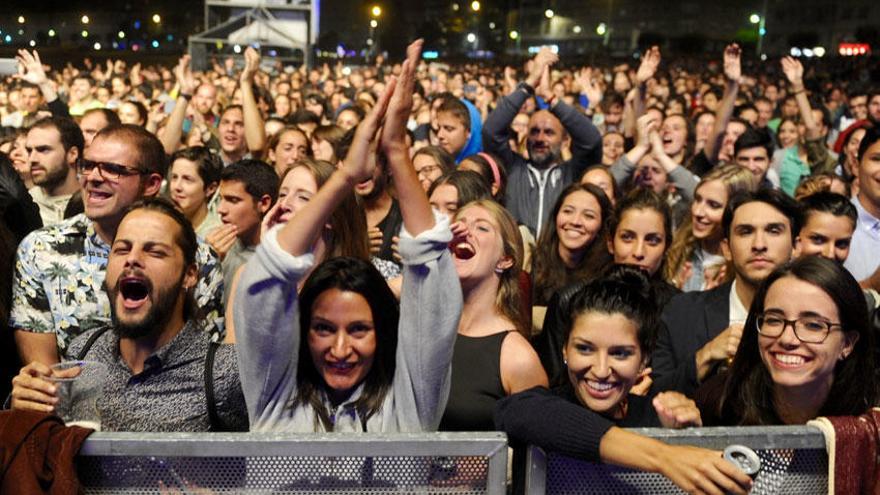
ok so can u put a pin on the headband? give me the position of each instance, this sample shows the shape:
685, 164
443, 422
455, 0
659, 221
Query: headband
496, 174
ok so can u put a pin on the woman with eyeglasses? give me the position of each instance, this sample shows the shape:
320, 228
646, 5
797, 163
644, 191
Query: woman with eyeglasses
807, 351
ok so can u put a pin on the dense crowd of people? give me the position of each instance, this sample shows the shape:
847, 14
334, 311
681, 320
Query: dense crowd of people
556, 252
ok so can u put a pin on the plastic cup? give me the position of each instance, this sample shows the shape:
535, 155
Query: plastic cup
78, 394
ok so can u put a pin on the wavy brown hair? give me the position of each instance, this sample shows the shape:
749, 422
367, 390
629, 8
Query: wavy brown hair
508, 300
684, 244
347, 235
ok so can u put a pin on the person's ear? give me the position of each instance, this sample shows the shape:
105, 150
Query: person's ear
725, 250
271, 155
609, 243
849, 343
191, 277
264, 204
72, 156
211, 189
504, 264
798, 247
152, 185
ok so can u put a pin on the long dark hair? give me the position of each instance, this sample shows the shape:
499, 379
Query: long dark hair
748, 392
549, 271
359, 276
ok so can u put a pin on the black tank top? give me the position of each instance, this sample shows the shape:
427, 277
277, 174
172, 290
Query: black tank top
476, 383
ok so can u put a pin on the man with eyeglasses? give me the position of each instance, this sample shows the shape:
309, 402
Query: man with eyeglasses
702, 330
57, 292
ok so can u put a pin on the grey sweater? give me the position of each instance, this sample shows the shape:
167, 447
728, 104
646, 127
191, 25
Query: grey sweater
266, 316
531, 192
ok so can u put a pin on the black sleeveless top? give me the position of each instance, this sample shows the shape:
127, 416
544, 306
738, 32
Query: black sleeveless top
476, 383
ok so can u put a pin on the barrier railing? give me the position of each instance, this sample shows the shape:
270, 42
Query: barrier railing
241, 463
793, 460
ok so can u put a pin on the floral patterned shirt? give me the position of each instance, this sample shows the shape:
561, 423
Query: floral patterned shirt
59, 277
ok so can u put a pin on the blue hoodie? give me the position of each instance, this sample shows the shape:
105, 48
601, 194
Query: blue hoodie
474, 144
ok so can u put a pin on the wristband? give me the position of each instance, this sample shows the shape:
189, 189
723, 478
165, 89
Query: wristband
186, 96
527, 88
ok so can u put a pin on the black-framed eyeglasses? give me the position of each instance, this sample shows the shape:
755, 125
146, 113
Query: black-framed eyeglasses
808, 329
108, 170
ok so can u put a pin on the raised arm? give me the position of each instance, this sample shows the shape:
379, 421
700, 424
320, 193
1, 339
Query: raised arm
414, 206
647, 69
174, 128
623, 168
733, 74
254, 130
586, 142
30, 69
794, 72
496, 129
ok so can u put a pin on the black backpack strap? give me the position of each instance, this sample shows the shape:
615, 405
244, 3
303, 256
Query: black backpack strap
213, 417
89, 343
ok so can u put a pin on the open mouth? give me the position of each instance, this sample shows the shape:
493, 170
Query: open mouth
134, 291
463, 250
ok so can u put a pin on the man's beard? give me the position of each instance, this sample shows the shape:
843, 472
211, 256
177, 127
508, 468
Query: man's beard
160, 312
544, 159
52, 178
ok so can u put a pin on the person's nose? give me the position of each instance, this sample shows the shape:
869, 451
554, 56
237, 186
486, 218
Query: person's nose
341, 346
639, 251
759, 241
602, 368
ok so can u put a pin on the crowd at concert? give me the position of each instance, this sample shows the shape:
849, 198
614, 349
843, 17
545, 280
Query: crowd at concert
552, 250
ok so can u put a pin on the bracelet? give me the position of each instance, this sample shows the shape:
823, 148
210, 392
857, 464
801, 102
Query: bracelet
527, 88
795, 93
186, 96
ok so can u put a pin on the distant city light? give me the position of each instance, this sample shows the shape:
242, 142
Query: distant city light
491, 25
374, 23
795, 51
121, 34
236, 48
157, 18
84, 33
471, 37
376, 11
549, 13
430, 54
475, 6
32, 43
51, 33
576, 30
807, 52
84, 19
455, 7
762, 31
96, 46
21, 19
601, 29
155, 43
754, 18
8, 38
819, 51
137, 25
513, 35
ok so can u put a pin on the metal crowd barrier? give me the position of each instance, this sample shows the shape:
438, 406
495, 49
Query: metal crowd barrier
793, 461
255, 463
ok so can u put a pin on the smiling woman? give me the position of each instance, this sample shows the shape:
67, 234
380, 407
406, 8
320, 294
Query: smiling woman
573, 246
610, 327
338, 356
807, 350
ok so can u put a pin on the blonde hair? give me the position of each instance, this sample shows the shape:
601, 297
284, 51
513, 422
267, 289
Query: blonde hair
508, 300
735, 179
